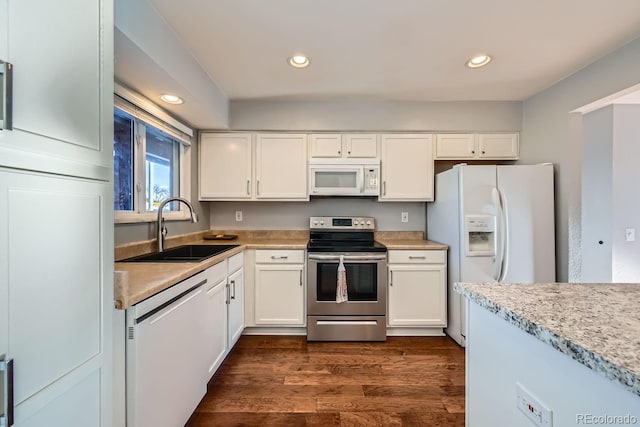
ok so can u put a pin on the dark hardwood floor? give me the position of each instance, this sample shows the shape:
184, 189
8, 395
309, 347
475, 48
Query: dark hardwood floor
285, 381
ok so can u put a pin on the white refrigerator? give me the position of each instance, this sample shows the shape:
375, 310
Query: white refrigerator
499, 224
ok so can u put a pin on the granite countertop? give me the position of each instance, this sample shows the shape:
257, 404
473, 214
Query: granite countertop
135, 281
597, 325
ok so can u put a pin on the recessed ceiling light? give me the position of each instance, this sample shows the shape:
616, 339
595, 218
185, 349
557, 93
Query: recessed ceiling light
171, 99
478, 61
299, 61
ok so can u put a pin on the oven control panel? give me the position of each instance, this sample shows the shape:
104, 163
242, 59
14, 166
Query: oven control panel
341, 223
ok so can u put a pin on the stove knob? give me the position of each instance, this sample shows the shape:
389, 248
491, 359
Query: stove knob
368, 222
321, 222
315, 222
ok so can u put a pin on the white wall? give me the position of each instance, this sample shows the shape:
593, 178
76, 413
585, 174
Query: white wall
500, 354
545, 134
610, 194
372, 115
625, 189
295, 215
597, 175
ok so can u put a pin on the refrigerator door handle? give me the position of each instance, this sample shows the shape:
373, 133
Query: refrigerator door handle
505, 236
496, 197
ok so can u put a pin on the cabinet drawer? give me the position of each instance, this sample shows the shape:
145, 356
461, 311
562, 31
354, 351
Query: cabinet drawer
235, 262
417, 257
280, 256
216, 273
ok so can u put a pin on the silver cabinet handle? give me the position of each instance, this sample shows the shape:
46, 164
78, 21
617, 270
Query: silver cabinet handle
233, 295
417, 257
279, 257
6, 366
228, 292
390, 278
248, 187
258, 187
300, 277
6, 89
384, 188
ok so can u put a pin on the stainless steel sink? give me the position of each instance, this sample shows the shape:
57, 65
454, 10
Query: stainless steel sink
186, 253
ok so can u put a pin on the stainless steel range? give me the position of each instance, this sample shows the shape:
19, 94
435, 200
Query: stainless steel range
363, 316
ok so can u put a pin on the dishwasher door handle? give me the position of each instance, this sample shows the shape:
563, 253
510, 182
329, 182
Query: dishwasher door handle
6, 366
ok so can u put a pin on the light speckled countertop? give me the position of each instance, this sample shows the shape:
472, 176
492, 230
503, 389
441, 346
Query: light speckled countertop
597, 325
135, 281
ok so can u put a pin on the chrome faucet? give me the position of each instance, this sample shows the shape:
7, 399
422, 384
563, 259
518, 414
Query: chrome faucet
162, 229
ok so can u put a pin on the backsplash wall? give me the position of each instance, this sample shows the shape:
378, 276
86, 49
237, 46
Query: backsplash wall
295, 215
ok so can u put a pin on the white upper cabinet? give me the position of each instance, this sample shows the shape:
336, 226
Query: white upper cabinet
281, 167
407, 167
225, 166
455, 146
481, 146
498, 146
335, 145
325, 145
62, 56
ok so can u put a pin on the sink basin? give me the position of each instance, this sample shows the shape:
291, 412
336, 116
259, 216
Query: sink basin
186, 253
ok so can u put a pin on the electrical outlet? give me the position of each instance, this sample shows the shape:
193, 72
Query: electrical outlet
404, 216
630, 234
539, 414
238, 215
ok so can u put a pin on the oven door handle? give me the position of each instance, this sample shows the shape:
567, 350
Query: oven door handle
348, 257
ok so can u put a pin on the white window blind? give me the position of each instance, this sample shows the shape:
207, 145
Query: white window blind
140, 108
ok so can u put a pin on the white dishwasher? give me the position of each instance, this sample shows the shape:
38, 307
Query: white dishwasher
164, 356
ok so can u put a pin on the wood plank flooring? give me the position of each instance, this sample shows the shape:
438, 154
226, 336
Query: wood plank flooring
285, 381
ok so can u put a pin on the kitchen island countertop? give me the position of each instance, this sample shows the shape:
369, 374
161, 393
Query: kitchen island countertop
598, 325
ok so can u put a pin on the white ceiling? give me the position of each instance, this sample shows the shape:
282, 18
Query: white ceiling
397, 50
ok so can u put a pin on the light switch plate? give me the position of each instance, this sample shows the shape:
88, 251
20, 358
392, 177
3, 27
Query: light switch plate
630, 234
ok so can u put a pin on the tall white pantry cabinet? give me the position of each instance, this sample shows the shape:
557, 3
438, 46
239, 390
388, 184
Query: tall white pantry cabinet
56, 213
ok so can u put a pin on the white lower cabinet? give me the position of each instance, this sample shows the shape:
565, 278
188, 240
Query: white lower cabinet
235, 300
417, 288
215, 328
279, 288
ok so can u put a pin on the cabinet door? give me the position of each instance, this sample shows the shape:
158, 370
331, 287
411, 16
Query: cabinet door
325, 145
279, 295
455, 146
281, 167
360, 145
215, 332
236, 307
407, 168
62, 53
56, 297
498, 146
224, 171
417, 295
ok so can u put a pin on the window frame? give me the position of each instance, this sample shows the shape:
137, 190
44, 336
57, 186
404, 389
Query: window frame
145, 113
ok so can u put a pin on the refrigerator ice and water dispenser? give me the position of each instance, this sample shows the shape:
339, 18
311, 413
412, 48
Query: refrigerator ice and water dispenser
479, 235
